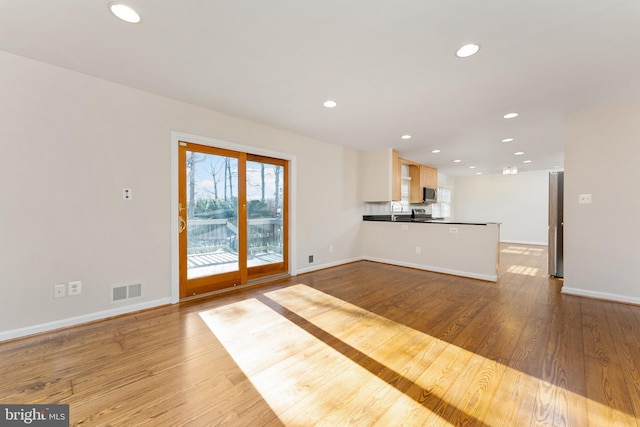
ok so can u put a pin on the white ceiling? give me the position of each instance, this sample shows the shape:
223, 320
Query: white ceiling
390, 65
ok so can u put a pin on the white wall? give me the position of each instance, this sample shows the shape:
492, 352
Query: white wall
520, 202
71, 142
602, 239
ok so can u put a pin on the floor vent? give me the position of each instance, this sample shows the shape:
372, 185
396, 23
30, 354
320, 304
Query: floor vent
123, 292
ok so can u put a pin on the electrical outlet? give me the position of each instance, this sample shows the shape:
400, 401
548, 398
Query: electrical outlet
331, 249
310, 259
418, 250
59, 291
453, 230
75, 288
584, 199
404, 227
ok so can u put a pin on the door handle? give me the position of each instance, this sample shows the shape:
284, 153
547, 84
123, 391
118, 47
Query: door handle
183, 223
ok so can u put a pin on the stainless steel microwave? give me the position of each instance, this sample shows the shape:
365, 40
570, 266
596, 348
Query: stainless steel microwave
429, 195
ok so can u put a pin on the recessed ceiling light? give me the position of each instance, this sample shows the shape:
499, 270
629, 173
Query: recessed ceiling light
435, 151
457, 161
124, 12
507, 140
510, 115
472, 167
467, 50
406, 137
330, 104
527, 161
478, 173
518, 153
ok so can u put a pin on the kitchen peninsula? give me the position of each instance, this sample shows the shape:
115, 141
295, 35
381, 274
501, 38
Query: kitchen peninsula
457, 248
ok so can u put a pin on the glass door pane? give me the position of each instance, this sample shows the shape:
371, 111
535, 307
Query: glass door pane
266, 211
212, 214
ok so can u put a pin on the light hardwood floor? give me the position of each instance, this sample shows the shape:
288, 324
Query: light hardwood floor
360, 344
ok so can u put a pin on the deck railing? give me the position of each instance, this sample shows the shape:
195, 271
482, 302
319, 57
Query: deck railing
265, 235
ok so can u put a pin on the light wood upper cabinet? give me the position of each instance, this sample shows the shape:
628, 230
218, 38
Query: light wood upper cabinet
428, 177
415, 190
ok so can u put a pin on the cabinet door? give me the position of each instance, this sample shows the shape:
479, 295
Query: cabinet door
415, 186
428, 177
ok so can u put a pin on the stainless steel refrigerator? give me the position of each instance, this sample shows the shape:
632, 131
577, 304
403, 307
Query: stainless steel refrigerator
556, 224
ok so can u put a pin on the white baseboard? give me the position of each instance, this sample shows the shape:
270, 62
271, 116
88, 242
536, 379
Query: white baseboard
471, 275
78, 320
601, 295
327, 265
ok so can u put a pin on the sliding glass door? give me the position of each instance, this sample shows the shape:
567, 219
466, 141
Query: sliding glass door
232, 214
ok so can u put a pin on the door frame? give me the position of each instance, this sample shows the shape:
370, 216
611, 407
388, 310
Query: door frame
176, 137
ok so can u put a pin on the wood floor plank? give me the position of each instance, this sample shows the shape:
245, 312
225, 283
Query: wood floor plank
569, 376
428, 389
608, 399
624, 325
545, 397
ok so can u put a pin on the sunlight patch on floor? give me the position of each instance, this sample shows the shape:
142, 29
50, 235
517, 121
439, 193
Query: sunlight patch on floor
523, 250
523, 269
306, 381
291, 367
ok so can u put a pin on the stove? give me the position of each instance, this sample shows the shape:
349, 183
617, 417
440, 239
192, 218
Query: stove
420, 215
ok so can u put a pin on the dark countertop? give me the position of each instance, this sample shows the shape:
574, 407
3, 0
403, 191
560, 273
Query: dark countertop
407, 218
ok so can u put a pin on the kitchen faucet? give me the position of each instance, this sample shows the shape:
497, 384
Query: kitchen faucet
392, 208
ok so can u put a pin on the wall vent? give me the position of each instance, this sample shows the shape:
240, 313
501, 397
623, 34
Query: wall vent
124, 292
118, 293
135, 290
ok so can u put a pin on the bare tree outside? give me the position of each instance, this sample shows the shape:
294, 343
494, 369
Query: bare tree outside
193, 159
277, 170
215, 169
262, 181
230, 177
